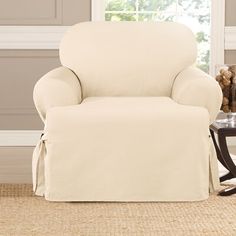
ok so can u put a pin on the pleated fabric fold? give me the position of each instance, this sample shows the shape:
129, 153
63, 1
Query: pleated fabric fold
38, 173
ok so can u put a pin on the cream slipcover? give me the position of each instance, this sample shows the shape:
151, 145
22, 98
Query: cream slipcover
126, 117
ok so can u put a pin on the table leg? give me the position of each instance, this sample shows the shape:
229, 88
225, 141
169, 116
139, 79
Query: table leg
229, 165
228, 191
221, 159
226, 177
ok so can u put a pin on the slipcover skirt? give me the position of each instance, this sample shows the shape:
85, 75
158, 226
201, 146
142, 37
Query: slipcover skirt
125, 149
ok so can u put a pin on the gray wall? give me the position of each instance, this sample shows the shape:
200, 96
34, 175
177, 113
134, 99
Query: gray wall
230, 20
43, 12
230, 16
20, 69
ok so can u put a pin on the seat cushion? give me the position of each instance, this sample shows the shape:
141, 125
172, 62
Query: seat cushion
137, 110
127, 149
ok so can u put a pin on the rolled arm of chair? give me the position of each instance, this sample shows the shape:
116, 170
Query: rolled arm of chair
59, 87
194, 87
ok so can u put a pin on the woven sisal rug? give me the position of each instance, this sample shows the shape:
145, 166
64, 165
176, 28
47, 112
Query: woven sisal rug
23, 214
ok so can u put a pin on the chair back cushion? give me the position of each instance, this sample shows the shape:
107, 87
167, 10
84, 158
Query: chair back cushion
127, 58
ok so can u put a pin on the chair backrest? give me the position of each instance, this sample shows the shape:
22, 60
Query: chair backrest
127, 58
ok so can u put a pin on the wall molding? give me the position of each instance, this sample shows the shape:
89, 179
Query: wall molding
230, 38
33, 19
19, 138
31, 37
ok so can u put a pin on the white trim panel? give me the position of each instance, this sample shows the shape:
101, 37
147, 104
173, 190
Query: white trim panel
31, 37
217, 34
230, 38
98, 9
19, 138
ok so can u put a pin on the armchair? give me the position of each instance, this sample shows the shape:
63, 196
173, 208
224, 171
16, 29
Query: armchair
126, 117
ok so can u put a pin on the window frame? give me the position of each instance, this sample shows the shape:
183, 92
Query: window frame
217, 46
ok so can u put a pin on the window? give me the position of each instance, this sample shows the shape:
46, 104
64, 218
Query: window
193, 13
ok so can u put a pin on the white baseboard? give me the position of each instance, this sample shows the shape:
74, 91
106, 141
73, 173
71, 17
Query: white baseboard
18, 138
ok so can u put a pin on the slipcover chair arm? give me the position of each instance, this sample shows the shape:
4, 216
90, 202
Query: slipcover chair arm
194, 87
59, 87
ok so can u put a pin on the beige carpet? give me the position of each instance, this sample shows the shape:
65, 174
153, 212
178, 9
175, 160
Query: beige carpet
23, 214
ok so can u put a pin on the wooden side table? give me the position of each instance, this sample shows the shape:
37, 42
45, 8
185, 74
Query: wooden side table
224, 130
